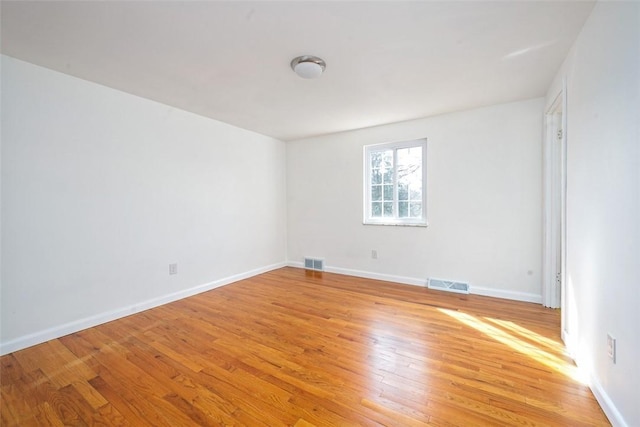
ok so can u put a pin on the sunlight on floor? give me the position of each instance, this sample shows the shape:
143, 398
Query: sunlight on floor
519, 345
530, 335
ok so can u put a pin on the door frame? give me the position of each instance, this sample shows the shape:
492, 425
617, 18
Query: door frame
554, 224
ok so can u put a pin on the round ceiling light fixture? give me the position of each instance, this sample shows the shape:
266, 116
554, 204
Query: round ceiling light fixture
308, 67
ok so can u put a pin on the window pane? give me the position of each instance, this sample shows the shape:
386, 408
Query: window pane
388, 176
403, 209
416, 192
403, 191
410, 156
376, 193
376, 160
376, 177
410, 166
387, 159
376, 209
388, 208
388, 192
416, 210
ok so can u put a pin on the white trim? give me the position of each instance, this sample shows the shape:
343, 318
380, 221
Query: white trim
378, 276
397, 224
554, 228
88, 322
495, 293
564, 307
547, 235
610, 410
504, 294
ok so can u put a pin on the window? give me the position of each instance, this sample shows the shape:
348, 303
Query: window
395, 183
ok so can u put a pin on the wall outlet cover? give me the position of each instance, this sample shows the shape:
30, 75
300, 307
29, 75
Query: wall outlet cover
611, 347
173, 268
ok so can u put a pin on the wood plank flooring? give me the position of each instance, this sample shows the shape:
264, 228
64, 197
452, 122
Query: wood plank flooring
296, 348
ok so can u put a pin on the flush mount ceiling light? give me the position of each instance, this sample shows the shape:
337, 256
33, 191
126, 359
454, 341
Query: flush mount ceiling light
308, 67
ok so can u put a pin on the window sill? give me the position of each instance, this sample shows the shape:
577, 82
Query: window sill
397, 224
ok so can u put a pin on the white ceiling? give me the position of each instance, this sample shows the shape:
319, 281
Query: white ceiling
229, 60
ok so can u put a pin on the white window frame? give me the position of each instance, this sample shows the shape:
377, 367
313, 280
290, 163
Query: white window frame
395, 220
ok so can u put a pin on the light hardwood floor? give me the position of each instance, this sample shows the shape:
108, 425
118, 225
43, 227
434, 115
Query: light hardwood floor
291, 347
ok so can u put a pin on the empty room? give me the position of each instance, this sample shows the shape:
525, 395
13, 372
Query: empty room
304, 213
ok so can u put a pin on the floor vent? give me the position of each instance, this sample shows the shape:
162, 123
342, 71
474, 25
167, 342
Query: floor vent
316, 264
448, 285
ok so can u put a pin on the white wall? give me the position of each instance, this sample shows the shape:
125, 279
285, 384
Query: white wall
101, 190
603, 202
484, 202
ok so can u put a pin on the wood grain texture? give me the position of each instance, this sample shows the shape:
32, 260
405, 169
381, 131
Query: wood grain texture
300, 348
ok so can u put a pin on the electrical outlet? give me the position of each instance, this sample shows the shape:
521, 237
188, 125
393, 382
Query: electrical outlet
611, 347
374, 254
173, 268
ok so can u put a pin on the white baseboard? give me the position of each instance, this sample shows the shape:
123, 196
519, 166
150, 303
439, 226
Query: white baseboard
501, 293
610, 410
88, 322
496, 293
367, 274
378, 276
